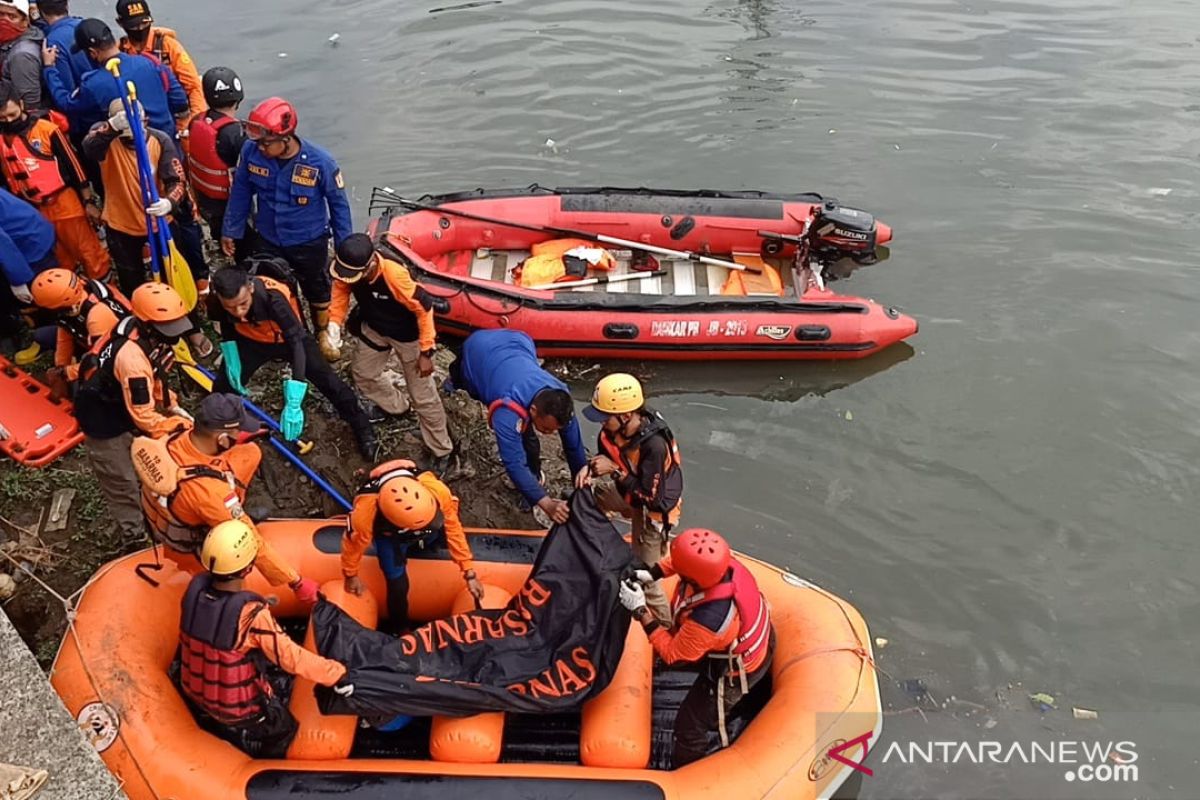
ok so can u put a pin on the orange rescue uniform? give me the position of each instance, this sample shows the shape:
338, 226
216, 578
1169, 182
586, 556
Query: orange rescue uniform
258, 630
41, 166
400, 284
163, 44
362, 525
100, 322
204, 501
145, 393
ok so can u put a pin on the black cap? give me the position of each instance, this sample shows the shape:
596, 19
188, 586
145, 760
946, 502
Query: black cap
92, 33
226, 412
352, 257
132, 12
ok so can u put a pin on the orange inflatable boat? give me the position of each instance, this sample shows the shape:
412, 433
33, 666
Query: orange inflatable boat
823, 696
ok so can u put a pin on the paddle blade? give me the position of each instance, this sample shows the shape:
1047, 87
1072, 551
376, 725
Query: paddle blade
179, 276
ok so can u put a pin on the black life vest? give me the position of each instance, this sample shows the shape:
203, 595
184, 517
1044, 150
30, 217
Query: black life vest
381, 526
98, 294
628, 456
386, 315
224, 683
99, 400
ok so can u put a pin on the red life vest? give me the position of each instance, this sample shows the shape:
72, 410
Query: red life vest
512, 406
226, 684
208, 174
32, 175
754, 617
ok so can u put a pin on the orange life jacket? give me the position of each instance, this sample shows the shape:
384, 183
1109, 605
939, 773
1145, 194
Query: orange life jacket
33, 175
512, 406
268, 331
209, 175
752, 642
226, 684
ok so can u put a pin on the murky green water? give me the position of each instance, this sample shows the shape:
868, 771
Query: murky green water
1012, 500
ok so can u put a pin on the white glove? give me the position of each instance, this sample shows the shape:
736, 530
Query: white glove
632, 596
23, 294
159, 208
345, 689
178, 411
119, 122
333, 333
643, 576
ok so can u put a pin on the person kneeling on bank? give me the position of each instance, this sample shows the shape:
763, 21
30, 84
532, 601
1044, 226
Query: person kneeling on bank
721, 621
400, 510
226, 637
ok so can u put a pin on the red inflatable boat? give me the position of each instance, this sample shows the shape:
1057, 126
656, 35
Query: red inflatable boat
730, 275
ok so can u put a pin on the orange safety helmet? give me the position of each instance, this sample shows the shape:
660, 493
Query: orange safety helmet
158, 302
57, 288
406, 503
272, 117
701, 556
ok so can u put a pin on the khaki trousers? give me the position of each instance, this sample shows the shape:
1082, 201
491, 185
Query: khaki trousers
367, 365
650, 545
113, 468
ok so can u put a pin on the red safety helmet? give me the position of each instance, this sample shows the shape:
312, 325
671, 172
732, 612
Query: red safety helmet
273, 117
701, 556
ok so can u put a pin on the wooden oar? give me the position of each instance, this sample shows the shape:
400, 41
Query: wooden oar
633, 276
571, 232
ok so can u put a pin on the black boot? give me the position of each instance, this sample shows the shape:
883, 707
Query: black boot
368, 443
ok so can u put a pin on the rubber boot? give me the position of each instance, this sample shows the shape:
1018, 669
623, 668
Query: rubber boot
320, 316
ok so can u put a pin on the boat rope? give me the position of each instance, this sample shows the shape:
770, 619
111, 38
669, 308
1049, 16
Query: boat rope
69, 605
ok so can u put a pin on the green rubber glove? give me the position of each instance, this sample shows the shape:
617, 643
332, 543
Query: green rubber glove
233, 366
291, 421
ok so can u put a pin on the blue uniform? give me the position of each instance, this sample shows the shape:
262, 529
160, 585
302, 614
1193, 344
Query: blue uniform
71, 67
26, 240
502, 365
157, 90
299, 200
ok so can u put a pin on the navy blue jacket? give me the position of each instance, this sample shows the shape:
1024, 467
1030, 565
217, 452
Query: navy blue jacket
26, 240
502, 365
298, 199
158, 91
71, 67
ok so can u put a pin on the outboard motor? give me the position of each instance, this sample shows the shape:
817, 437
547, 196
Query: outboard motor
841, 232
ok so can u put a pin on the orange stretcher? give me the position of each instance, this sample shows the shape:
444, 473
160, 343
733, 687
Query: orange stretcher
35, 428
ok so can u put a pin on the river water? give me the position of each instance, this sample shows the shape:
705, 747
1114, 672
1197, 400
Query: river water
1010, 501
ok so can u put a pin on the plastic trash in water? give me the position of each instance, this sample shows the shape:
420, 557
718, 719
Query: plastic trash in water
334, 39
1043, 702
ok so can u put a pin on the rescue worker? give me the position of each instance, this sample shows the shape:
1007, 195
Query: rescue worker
638, 450
39, 164
259, 321
26, 248
399, 510
197, 478
300, 195
500, 369
111, 144
21, 54
143, 37
395, 315
157, 89
85, 310
71, 67
215, 140
722, 621
226, 637
122, 390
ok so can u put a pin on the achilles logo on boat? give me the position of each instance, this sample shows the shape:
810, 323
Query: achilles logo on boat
776, 332
675, 328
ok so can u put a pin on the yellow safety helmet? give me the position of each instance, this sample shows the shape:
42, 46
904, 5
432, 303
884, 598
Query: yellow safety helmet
618, 393
229, 548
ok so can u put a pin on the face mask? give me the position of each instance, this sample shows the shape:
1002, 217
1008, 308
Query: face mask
14, 127
9, 30
139, 37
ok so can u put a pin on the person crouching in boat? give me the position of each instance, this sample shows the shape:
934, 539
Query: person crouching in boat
639, 451
195, 479
399, 510
500, 369
721, 619
226, 637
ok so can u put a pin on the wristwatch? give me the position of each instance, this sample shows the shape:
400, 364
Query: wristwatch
469, 575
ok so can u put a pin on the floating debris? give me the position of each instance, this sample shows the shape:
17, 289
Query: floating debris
1043, 702
1159, 191
464, 6
849, 417
1084, 713
283, 55
334, 39
881, 642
